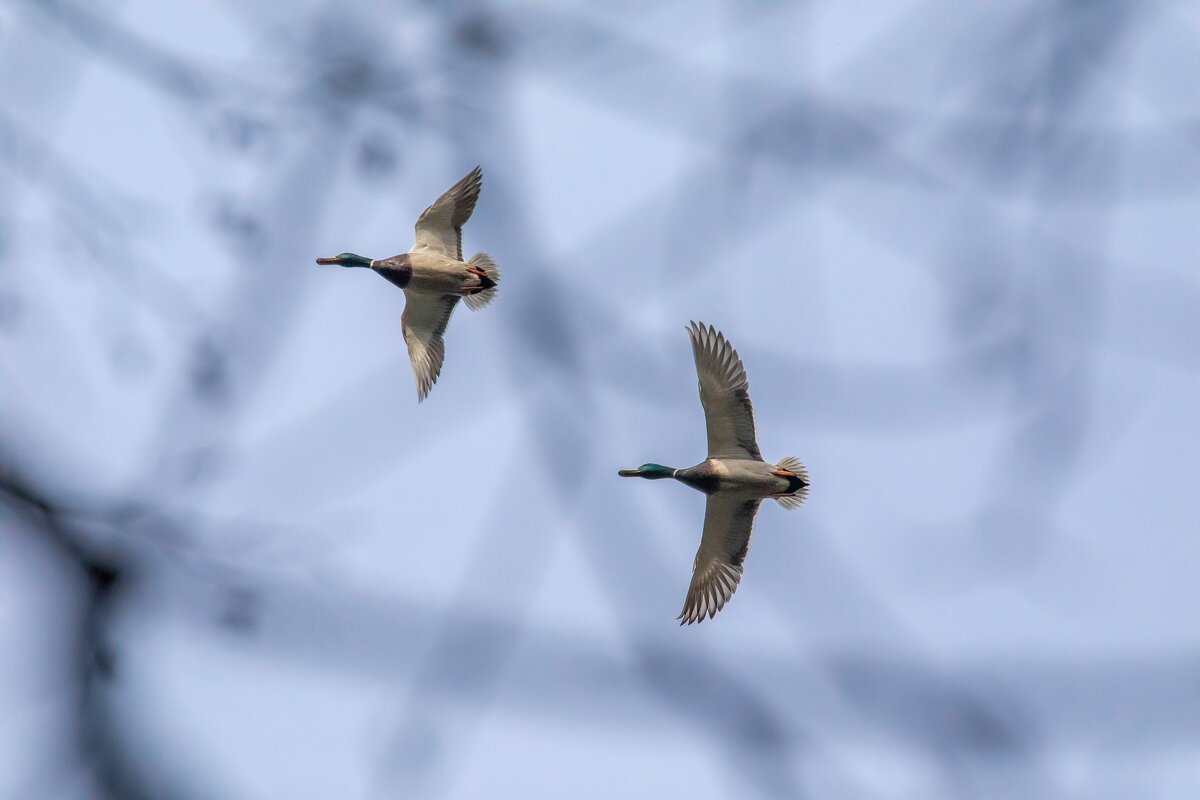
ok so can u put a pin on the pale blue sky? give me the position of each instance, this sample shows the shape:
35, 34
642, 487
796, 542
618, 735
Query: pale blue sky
954, 245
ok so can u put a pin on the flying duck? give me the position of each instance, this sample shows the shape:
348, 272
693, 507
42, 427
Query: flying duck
734, 476
434, 276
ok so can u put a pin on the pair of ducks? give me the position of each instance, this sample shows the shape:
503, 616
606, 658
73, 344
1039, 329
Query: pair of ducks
735, 477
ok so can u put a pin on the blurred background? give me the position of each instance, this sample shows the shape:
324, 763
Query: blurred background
954, 243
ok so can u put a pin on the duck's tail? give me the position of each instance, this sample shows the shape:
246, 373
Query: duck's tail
797, 483
478, 300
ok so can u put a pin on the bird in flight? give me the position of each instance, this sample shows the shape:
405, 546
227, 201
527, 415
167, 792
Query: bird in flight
434, 276
734, 476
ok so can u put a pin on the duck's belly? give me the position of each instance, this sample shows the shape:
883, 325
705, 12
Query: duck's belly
748, 476
438, 275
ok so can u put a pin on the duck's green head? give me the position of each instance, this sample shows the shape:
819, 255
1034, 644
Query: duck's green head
651, 471
346, 260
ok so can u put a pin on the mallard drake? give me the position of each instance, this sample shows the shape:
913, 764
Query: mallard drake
434, 276
734, 476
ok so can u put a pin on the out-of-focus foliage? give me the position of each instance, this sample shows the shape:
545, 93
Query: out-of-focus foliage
954, 244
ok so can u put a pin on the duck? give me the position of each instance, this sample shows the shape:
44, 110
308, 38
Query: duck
734, 476
434, 277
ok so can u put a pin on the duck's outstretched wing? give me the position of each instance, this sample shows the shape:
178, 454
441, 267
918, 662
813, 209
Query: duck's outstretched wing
439, 228
423, 322
728, 521
724, 393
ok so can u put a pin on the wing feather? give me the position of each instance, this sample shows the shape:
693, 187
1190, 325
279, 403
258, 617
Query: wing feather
439, 228
423, 322
728, 523
724, 393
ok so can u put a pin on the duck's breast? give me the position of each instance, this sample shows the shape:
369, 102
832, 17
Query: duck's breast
396, 269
